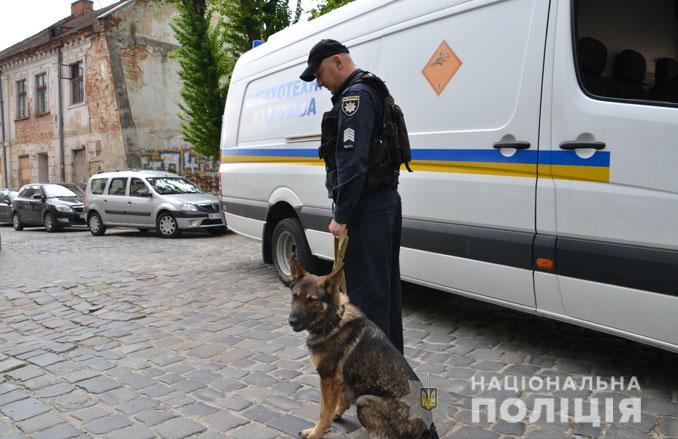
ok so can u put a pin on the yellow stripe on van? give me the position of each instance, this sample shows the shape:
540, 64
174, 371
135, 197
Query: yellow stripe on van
582, 173
559, 172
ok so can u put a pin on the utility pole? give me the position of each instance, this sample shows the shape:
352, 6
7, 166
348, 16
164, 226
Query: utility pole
4, 146
60, 98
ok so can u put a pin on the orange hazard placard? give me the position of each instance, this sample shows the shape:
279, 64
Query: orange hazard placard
442, 66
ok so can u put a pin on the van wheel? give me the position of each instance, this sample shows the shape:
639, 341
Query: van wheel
16, 222
167, 226
288, 240
51, 225
96, 225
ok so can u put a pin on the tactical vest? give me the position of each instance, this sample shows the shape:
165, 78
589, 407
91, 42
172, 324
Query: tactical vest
388, 149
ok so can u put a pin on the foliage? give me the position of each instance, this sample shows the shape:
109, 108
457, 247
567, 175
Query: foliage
325, 6
203, 64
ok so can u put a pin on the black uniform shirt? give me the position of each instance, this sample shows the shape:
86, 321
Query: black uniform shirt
360, 120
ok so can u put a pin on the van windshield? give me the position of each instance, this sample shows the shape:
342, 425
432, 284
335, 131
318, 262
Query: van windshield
173, 185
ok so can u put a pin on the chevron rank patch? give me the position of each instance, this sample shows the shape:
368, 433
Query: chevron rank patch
350, 104
349, 138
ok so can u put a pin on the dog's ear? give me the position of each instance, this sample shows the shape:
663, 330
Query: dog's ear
331, 282
297, 271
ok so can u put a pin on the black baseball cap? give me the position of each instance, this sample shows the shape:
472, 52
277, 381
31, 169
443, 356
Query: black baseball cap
319, 52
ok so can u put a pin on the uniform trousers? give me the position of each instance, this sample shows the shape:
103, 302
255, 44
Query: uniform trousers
372, 264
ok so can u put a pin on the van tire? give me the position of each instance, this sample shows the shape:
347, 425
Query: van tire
16, 222
167, 226
50, 223
95, 225
289, 239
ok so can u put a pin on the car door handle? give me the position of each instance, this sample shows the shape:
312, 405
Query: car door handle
105, 201
129, 202
573, 145
515, 144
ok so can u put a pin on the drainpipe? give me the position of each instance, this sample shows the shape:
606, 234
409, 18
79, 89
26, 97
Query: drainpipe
4, 147
61, 116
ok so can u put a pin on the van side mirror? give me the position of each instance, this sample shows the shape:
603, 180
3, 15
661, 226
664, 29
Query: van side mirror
37, 196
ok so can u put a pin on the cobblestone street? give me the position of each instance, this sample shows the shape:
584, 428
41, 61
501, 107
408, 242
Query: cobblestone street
131, 336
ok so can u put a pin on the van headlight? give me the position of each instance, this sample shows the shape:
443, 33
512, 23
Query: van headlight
186, 207
63, 209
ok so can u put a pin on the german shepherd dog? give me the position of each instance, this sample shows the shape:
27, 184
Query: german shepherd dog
356, 363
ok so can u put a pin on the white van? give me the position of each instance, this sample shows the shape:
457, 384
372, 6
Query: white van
545, 151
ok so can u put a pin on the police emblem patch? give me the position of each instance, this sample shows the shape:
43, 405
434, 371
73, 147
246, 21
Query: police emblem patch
429, 398
350, 104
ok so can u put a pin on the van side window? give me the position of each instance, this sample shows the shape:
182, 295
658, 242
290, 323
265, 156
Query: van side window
628, 54
137, 187
118, 186
98, 185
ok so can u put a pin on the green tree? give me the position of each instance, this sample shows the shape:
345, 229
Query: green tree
244, 21
203, 65
325, 6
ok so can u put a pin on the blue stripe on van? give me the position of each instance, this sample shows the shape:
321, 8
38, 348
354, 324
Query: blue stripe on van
566, 158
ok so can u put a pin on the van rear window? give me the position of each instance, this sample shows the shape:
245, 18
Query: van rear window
97, 185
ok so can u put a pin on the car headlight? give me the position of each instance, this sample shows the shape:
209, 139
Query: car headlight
189, 207
63, 209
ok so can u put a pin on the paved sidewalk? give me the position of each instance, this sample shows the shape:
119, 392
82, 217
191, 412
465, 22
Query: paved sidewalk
131, 336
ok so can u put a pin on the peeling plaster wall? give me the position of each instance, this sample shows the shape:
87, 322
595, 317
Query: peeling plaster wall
143, 39
93, 124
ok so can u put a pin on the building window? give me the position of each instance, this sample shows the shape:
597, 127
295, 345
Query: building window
21, 112
77, 83
41, 96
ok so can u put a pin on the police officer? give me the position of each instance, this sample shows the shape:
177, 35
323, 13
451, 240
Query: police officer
366, 204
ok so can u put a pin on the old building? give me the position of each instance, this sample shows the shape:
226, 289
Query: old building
95, 91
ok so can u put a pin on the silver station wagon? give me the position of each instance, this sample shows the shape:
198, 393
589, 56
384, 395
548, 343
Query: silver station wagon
149, 200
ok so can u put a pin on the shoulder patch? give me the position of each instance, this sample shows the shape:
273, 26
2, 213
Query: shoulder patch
350, 104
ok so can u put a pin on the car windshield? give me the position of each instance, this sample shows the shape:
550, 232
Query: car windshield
173, 185
66, 190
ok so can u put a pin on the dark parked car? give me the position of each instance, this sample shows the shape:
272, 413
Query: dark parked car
6, 198
53, 205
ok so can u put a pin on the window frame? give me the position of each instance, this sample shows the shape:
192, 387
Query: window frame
77, 80
110, 186
41, 91
131, 181
21, 100
574, 34
103, 190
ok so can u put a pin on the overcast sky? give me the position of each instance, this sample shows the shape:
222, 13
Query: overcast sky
19, 19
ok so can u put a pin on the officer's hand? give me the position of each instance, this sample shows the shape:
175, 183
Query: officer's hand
337, 229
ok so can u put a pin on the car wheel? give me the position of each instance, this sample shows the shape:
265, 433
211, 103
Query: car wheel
167, 226
96, 225
288, 240
50, 225
16, 222
217, 231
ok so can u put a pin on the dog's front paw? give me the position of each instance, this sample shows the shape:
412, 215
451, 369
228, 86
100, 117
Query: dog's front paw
309, 433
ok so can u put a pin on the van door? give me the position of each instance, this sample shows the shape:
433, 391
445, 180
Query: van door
139, 205
468, 79
115, 201
610, 173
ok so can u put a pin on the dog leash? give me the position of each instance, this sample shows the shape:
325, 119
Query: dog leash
340, 247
